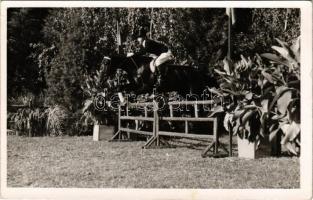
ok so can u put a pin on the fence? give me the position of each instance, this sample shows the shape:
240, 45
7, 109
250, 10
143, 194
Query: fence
155, 135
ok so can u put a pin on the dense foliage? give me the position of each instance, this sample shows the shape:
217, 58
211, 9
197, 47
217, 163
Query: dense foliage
257, 32
24, 31
52, 51
264, 97
194, 35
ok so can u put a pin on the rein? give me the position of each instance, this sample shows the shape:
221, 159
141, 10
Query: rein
134, 62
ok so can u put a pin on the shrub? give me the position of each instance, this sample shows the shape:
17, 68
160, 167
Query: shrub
28, 99
57, 120
29, 121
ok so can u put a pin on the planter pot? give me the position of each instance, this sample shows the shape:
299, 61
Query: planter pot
246, 149
102, 132
250, 150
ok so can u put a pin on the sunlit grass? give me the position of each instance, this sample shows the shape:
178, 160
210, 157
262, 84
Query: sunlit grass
80, 162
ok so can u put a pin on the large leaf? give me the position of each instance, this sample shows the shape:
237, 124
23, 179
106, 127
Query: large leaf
291, 131
283, 44
263, 122
247, 63
238, 114
229, 79
219, 72
279, 92
225, 85
274, 129
275, 58
247, 107
285, 52
88, 103
278, 117
236, 128
282, 51
264, 104
290, 148
247, 116
227, 121
215, 91
216, 109
227, 66
283, 102
294, 110
295, 47
268, 76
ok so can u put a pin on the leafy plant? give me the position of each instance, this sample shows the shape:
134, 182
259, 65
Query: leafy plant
96, 103
29, 100
28, 121
286, 102
264, 99
57, 120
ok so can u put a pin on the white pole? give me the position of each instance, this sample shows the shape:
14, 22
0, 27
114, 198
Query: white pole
151, 20
229, 33
121, 97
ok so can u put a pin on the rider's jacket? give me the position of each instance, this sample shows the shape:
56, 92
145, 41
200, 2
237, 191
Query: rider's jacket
152, 47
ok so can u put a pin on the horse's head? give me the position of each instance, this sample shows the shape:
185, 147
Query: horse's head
113, 63
135, 67
127, 73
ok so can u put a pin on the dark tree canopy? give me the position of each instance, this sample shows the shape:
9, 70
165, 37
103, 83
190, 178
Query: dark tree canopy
257, 33
24, 31
56, 49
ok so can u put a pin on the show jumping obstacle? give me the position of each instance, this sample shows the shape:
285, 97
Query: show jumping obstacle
155, 135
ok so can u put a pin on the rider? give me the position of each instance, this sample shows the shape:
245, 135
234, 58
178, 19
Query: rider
160, 52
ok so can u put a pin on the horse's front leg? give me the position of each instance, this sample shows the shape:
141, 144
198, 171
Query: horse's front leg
121, 97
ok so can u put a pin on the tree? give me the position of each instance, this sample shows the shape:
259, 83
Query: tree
264, 26
76, 39
193, 34
24, 26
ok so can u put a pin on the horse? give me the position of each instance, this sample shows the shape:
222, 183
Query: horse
184, 79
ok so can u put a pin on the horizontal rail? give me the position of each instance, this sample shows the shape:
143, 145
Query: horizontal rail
140, 104
185, 135
191, 102
136, 131
137, 118
199, 119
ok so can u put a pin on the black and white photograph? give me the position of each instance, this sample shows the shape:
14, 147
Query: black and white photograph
156, 95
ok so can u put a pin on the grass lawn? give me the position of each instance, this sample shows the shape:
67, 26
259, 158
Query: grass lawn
80, 162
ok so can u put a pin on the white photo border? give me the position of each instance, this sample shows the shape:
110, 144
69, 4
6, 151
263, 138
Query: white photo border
305, 190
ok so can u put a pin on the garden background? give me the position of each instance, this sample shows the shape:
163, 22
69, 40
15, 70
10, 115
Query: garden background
52, 51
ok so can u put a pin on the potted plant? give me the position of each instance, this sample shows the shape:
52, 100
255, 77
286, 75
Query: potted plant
96, 110
102, 128
242, 113
264, 100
